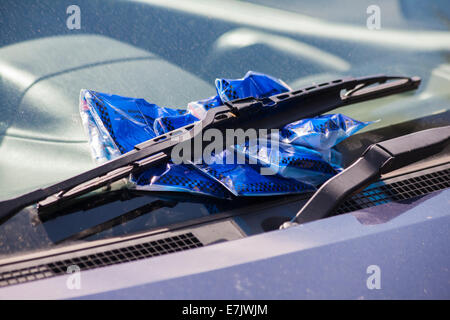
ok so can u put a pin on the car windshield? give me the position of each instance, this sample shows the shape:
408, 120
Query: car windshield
170, 53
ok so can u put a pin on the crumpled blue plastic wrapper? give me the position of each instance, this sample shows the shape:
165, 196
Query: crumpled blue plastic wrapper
116, 124
254, 84
322, 132
303, 159
291, 161
181, 178
246, 180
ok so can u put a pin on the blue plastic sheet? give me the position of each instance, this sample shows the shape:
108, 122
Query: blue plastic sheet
303, 157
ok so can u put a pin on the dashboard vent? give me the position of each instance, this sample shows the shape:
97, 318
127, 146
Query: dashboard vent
124, 254
24, 275
396, 191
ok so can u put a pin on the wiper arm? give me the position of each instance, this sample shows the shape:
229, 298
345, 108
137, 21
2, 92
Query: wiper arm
378, 159
266, 113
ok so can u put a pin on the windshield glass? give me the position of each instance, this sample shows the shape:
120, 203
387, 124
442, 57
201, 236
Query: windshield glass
170, 53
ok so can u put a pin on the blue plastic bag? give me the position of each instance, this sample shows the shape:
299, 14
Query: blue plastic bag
246, 179
180, 178
303, 159
291, 161
322, 132
254, 84
124, 121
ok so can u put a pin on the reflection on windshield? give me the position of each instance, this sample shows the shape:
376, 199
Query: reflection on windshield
190, 43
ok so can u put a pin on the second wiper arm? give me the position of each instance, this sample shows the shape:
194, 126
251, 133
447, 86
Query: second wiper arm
379, 158
266, 113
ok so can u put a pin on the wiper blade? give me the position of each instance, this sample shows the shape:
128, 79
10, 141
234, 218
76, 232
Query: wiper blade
266, 113
379, 158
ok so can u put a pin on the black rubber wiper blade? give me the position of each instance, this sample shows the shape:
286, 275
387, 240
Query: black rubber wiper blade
266, 113
379, 158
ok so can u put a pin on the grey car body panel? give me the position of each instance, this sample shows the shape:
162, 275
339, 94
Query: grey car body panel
323, 259
43, 139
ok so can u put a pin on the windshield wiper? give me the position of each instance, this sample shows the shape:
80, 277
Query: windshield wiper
379, 158
266, 113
